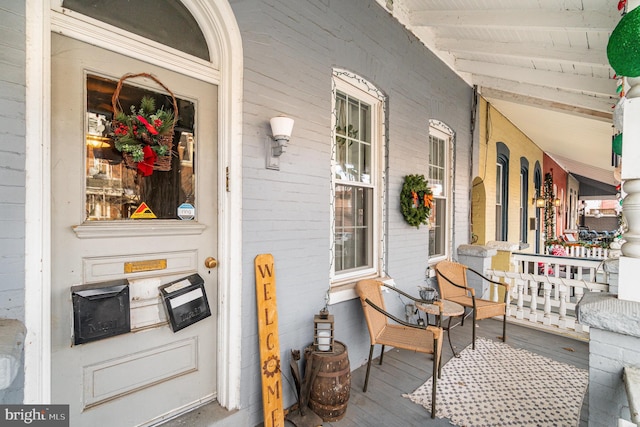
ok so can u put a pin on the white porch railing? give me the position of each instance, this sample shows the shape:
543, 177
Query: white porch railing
584, 252
545, 289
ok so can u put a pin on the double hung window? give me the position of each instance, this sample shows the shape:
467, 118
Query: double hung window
357, 179
502, 192
524, 199
439, 181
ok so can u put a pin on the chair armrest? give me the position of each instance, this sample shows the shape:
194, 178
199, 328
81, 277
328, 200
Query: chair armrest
394, 318
506, 285
466, 288
404, 294
436, 331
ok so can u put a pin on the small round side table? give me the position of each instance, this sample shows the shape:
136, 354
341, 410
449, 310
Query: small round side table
450, 310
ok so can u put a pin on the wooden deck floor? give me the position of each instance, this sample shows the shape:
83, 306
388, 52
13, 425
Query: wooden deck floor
404, 371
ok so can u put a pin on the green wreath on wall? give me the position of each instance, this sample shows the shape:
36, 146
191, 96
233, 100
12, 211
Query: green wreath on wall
416, 200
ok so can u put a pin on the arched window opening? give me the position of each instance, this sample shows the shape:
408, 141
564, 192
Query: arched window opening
167, 22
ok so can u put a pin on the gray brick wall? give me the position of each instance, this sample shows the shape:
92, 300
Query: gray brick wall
12, 172
290, 48
12, 158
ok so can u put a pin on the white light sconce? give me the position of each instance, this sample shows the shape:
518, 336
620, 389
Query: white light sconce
539, 201
281, 128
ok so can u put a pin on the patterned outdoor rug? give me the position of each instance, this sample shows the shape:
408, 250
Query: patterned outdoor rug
498, 385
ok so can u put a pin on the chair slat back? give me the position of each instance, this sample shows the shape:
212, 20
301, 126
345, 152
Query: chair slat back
455, 272
371, 289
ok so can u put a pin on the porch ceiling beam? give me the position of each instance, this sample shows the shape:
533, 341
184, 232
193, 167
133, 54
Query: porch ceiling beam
587, 84
564, 54
568, 103
520, 19
555, 95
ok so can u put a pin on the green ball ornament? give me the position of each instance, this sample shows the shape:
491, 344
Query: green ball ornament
623, 49
617, 144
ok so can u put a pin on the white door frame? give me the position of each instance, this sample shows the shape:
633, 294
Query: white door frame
218, 24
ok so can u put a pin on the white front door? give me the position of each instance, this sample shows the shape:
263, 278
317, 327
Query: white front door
147, 374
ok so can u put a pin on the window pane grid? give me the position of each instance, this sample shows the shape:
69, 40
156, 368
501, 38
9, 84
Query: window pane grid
353, 146
353, 227
437, 166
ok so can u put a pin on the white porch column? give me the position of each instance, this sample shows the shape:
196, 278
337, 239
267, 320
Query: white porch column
629, 268
628, 287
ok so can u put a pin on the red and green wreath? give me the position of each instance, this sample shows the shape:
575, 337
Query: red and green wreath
416, 200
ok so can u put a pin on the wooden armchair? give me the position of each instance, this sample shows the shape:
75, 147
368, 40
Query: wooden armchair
452, 281
401, 334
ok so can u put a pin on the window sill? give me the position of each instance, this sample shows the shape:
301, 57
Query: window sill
341, 292
436, 259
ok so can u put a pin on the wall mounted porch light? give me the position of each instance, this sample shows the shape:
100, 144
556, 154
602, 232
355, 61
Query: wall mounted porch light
281, 128
539, 202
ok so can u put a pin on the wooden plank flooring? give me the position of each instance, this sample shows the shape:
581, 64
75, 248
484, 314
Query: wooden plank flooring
404, 371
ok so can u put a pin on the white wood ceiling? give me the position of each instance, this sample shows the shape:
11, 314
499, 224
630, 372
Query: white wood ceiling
542, 63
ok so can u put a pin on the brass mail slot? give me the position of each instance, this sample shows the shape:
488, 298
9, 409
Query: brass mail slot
147, 265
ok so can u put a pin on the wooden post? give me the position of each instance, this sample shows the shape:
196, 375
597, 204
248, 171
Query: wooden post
269, 343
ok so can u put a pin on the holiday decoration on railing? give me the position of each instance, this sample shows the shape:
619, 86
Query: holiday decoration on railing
622, 52
623, 49
416, 200
622, 4
549, 209
144, 136
617, 144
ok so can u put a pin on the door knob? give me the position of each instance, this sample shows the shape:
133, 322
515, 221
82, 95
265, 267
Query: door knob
210, 262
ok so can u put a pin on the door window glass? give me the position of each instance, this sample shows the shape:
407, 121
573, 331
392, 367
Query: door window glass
115, 191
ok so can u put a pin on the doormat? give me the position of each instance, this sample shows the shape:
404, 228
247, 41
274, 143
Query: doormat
498, 385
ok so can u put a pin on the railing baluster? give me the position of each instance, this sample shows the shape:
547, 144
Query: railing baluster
533, 304
547, 304
495, 292
520, 297
563, 302
563, 306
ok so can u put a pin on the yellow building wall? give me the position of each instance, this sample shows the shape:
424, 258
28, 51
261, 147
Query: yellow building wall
494, 128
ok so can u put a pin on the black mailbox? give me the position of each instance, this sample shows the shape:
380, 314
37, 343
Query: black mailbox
100, 310
186, 301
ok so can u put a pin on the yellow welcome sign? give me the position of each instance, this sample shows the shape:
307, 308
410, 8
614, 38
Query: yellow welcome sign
269, 342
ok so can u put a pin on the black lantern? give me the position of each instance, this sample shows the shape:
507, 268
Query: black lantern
323, 331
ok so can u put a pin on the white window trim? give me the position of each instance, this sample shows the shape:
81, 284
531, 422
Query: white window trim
341, 287
442, 131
